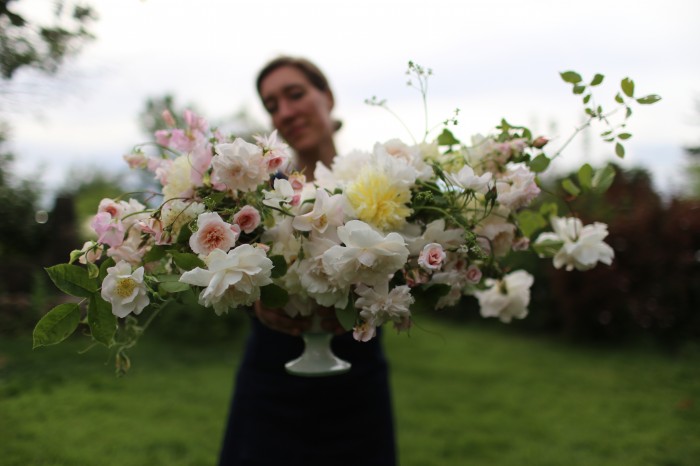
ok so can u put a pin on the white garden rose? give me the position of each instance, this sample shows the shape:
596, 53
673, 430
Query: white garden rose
468, 180
366, 256
508, 298
231, 278
379, 304
239, 165
124, 289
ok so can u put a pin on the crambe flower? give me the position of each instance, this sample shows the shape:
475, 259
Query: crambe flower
582, 247
432, 257
213, 233
468, 180
124, 289
366, 257
232, 278
507, 298
239, 165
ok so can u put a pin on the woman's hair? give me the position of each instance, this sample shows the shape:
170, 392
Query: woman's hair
312, 72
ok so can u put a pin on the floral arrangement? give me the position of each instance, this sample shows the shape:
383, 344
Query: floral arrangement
414, 227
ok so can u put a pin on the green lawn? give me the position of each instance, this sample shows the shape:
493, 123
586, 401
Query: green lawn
475, 395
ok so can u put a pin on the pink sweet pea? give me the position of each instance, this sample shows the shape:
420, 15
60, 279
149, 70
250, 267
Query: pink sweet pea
109, 232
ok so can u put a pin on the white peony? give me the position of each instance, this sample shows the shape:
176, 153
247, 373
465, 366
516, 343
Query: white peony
582, 246
231, 279
125, 290
507, 298
366, 257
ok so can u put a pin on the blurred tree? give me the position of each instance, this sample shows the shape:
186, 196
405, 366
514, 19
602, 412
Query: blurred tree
26, 43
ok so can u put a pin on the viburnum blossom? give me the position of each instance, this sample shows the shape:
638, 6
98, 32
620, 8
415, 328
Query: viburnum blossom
231, 278
507, 298
125, 289
582, 247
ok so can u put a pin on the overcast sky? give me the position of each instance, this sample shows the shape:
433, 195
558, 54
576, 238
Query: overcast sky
491, 59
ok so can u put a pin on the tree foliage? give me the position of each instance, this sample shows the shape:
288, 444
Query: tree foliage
27, 43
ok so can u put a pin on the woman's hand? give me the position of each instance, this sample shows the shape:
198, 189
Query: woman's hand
279, 320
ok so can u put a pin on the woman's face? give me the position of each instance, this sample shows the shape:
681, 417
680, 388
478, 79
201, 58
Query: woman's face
299, 111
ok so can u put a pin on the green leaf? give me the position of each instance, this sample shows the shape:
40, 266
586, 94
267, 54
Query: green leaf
570, 77
586, 98
649, 99
446, 138
186, 260
172, 286
597, 79
624, 136
72, 280
547, 248
603, 179
578, 89
628, 113
585, 175
627, 86
103, 324
539, 163
347, 316
618, 98
154, 254
273, 296
107, 263
619, 150
56, 325
549, 209
570, 187
279, 266
426, 297
529, 222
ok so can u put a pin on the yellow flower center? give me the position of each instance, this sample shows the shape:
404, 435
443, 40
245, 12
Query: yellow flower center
378, 201
125, 287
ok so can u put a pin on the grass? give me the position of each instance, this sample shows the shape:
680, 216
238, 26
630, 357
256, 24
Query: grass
476, 395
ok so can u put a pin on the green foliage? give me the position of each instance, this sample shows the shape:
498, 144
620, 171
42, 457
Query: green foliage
72, 280
103, 324
57, 325
273, 296
26, 43
347, 316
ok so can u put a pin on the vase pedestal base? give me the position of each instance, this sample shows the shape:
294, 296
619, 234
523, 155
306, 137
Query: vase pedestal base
318, 359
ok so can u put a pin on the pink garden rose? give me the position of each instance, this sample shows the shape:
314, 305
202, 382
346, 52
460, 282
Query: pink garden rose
213, 233
432, 256
248, 218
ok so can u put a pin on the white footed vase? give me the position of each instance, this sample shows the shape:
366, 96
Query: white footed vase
318, 359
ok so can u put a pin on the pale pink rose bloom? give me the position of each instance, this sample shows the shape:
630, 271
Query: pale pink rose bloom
364, 332
136, 160
432, 256
262, 246
248, 218
154, 227
162, 137
212, 233
108, 231
473, 274
297, 180
113, 208
272, 147
239, 165
274, 163
92, 252
517, 188
130, 250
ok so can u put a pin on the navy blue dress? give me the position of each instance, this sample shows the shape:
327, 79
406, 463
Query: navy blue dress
282, 419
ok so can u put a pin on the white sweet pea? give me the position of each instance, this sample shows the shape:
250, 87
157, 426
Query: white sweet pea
582, 246
506, 299
366, 257
327, 211
124, 289
468, 180
231, 279
282, 196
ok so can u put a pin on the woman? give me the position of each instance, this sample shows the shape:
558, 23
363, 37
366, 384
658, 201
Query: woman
277, 418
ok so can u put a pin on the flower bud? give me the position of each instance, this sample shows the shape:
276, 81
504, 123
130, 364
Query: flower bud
540, 142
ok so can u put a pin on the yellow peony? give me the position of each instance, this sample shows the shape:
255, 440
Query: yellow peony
379, 201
